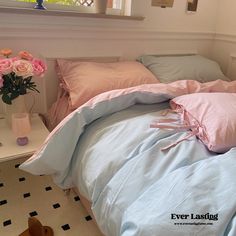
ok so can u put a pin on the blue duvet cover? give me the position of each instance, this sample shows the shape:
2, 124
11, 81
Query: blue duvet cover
109, 151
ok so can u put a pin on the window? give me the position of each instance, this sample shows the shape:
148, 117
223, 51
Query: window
116, 7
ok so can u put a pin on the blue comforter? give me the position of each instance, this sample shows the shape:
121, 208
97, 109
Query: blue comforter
108, 150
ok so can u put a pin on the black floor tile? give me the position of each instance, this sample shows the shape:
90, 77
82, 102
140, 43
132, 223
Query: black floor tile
21, 179
65, 227
6, 223
88, 218
48, 188
76, 198
17, 165
26, 195
3, 202
56, 205
33, 213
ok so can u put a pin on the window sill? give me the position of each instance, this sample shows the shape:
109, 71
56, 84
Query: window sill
67, 13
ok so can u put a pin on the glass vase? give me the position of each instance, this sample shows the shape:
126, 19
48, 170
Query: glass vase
17, 106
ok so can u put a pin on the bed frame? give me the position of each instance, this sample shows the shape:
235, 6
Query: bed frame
51, 94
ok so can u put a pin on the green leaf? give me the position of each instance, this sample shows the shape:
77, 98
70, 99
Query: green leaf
22, 91
14, 95
6, 99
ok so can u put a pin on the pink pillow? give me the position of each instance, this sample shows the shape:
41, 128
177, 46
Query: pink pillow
214, 115
84, 80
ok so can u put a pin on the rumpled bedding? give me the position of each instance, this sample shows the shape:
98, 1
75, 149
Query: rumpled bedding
107, 149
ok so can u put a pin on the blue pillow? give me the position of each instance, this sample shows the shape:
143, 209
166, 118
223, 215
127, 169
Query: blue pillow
193, 67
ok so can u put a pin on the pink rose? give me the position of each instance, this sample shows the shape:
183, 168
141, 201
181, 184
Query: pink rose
5, 66
15, 59
39, 67
1, 81
25, 55
23, 68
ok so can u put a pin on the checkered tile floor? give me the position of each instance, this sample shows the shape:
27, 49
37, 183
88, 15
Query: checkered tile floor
23, 195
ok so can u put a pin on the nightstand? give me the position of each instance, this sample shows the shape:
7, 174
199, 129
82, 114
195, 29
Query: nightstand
9, 149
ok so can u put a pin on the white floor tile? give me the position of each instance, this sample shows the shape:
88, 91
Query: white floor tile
53, 207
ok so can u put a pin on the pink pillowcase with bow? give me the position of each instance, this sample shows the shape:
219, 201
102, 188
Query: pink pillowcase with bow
213, 116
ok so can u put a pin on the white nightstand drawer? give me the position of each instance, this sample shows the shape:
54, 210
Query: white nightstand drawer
10, 150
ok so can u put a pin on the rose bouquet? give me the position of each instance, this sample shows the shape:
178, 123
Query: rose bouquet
16, 74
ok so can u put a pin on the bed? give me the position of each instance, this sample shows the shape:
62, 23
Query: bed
136, 159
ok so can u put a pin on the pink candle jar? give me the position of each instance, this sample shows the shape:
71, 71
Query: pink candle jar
21, 127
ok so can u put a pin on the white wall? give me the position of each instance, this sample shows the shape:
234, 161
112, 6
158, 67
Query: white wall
176, 19
226, 17
225, 38
162, 30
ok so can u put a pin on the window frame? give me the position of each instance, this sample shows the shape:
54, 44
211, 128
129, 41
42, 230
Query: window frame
124, 11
